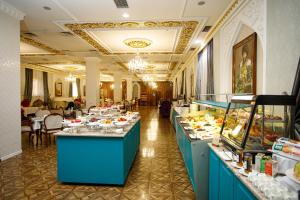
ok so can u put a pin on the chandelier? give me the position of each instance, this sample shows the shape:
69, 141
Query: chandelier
70, 78
153, 85
147, 78
137, 64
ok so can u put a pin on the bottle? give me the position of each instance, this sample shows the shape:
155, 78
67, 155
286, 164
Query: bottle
240, 158
248, 162
258, 158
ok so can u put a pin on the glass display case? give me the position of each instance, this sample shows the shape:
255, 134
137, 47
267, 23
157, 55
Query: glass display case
204, 119
253, 123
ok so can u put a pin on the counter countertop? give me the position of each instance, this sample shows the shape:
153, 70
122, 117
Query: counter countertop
84, 132
257, 193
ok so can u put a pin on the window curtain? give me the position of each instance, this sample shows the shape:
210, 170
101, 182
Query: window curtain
204, 74
198, 76
210, 71
37, 84
185, 84
70, 89
28, 84
78, 87
182, 83
46, 88
176, 88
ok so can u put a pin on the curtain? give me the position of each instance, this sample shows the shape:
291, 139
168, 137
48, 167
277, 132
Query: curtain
198, 76
185, 84
46, 88
204, 74
176, 88
182, 83
78, 87
210, 71
28, 83
70, 89
37, 84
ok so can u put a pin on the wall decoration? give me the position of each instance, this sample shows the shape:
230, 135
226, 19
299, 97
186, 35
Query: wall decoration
58, 89
244, 65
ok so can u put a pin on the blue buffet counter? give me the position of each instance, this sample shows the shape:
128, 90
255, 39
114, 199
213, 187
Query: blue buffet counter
195, 154
96, 158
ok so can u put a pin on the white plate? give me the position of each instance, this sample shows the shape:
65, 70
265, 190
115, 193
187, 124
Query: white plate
75, 124
121, 123
242, 171
235, 165
290, 174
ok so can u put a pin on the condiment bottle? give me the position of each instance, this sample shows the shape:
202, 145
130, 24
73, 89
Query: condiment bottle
258, 158
248, 162
240, 158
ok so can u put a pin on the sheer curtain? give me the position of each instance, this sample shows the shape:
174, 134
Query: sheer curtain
74, 89
204, 74
37, 84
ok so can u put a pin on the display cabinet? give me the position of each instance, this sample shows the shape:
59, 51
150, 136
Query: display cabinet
253, 123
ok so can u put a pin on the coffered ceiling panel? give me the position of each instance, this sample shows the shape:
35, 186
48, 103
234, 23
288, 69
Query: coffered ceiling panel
30, 49
113, 40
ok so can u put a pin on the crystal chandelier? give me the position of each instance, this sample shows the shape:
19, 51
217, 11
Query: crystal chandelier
137, 64
70, 78
153, 85
147, 78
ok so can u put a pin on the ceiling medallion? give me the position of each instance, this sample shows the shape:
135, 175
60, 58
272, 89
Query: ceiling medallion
137, 42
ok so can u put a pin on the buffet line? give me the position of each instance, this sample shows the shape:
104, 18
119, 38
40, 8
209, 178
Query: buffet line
250, 134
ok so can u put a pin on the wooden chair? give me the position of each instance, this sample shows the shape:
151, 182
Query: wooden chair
52, 124
26, 127
42, 113
91, 107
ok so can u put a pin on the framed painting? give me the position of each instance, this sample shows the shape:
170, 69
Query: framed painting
244, 65
58, 89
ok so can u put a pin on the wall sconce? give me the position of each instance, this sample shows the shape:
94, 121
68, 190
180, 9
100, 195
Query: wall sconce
112, 86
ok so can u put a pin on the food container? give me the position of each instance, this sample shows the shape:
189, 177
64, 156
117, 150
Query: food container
258, 158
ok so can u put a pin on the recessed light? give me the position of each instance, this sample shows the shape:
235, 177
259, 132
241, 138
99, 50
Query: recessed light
198, 41
201, 3
125, 15
46, 8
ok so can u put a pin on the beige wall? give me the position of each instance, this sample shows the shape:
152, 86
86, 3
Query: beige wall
277, 26
10, 120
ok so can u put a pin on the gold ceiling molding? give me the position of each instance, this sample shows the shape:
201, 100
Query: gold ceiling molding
39, 45
172, 65
233, 6
41, 68
61, 63
188, 29
220, 22
137, 42
145, 53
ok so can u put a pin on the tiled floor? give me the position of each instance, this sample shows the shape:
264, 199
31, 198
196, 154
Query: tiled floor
158, 171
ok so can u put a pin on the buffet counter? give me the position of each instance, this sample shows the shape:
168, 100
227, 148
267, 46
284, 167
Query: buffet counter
195, 153
225, 182
97, 157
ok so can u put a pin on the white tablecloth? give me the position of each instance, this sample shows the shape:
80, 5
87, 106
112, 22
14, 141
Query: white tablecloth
30, 110
37, 123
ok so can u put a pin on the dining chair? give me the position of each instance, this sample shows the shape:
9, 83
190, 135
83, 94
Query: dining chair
42, 113
91, 107
52, 124
26, 127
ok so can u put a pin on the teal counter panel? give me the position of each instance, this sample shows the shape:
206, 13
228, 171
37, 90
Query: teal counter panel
96, 160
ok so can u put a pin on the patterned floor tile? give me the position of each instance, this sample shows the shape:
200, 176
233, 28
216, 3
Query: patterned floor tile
158, 171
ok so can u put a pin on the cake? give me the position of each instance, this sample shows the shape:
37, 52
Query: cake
297, 171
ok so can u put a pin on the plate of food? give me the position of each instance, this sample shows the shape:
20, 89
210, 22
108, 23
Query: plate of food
294, 173
106, 123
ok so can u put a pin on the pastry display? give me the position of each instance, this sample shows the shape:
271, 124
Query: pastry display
297, 171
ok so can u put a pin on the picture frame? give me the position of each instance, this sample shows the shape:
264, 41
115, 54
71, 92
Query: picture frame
58, 89
244, 65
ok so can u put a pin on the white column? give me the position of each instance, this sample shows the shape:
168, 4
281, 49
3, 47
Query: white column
117, 87
129, 88
92, 81
10, 114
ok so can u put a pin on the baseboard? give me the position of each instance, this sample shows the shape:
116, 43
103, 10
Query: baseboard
10, 155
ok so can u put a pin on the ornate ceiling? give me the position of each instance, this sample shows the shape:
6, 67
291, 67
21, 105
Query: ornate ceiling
66, 34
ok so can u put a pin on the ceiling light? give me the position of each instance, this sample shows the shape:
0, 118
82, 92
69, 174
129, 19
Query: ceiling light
201, 3
137, 64
198, 41
125, 15
46, 8
70, 78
